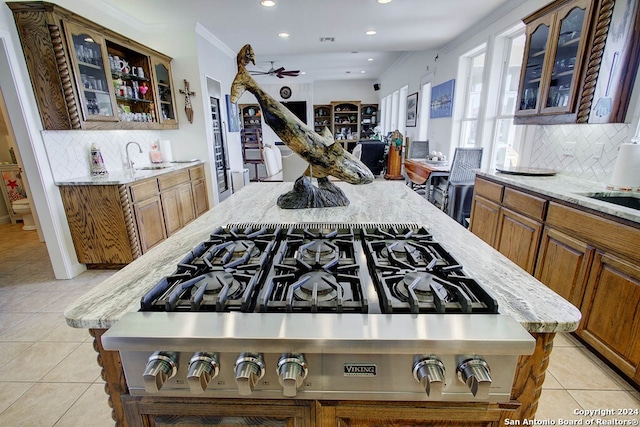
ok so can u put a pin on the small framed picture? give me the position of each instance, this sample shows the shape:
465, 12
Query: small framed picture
412, 109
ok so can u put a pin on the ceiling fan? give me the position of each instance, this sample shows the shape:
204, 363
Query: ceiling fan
278, 72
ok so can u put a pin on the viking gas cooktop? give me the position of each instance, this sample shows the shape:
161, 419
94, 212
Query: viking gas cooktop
317, 311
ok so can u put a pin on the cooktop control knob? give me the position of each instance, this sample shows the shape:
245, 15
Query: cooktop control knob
292, 370
161, 366
249, 369
475, 373
429, 371
203, 367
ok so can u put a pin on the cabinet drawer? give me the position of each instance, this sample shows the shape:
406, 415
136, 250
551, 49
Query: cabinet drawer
173, 179
196, 173
524, 203
144, 190
488, 190
600, 232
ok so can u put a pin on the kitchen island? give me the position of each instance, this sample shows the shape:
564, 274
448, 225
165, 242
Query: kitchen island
538, 309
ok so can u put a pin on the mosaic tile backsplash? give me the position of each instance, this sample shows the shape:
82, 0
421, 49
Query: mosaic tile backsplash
552, 146
68, 151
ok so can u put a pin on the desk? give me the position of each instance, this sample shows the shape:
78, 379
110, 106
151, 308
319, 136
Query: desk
420, 172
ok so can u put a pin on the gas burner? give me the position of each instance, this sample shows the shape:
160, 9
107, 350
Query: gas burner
241, 247
319, 284
318, 251
398, 248
421, 286
213, 283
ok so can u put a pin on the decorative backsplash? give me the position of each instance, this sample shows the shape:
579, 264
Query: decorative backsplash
550, 145
68, 151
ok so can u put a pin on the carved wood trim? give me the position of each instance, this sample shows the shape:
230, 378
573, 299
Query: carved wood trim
113, 375
595, 59
65, 75
132, 230
529, 378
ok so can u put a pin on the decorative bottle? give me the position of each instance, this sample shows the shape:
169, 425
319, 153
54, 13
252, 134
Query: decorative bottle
97, 163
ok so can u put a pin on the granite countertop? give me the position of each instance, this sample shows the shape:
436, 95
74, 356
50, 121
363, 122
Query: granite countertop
520, 295
125, 176
569, 189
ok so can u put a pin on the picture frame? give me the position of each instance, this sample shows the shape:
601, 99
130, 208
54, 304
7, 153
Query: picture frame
233, 115
442, 100
412, 110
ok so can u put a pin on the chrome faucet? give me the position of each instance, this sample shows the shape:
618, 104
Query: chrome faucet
129, 161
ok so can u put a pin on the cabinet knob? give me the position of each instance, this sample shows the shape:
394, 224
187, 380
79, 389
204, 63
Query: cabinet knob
475, 374
292, 370
249, 369
203, 367
161, 366
430, 372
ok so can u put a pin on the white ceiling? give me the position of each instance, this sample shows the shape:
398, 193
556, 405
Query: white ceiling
401, 26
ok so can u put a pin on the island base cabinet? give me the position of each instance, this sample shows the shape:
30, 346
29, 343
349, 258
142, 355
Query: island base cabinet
484, 219
611, 302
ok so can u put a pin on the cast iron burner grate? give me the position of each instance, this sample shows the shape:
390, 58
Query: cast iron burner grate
415, 274
315, 270
220, 274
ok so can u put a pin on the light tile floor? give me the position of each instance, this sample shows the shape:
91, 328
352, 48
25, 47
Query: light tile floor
49, 375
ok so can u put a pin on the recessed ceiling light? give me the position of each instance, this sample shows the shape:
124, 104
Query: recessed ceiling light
268, 3
370, 59
370, 33
362, 72
283, 35
303, 72
384, 1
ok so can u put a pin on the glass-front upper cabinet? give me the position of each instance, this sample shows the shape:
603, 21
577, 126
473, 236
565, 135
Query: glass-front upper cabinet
562, 85
166, 96
554, 52
92, 73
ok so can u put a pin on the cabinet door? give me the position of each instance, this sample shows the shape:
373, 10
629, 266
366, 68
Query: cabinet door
149, 220
368, 415
161, 412
177, 207
165, 95
536, 49
484, 219
611, 324
518, 238
200, 200
563, 264
92, 73
565, 59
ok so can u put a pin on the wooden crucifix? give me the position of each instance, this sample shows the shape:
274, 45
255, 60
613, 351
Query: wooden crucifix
187, 100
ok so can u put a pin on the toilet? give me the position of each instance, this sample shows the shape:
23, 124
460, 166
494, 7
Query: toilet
22, 207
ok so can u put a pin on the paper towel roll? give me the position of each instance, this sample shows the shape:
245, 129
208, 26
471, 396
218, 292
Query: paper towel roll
165, 147
626, 172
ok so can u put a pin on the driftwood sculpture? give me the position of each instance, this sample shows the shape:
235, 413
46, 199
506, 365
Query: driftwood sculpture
325, 156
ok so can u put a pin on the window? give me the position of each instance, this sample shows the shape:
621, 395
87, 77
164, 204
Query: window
473, 67
505, 146
423, 112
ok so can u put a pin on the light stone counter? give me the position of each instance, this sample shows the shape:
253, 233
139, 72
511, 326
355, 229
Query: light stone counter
571, 190
125, 176
534, 305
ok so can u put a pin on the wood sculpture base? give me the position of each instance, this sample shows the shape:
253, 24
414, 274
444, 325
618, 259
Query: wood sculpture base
306, 195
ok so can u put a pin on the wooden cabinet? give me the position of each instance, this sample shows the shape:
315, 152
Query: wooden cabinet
589, 259
115, 224
368, 120
85, 76
157, 411
611, 324
579, 63
563, 264
321, 118
345, 116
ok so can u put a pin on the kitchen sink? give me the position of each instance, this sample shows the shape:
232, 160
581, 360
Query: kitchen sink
154, 167
621, 199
